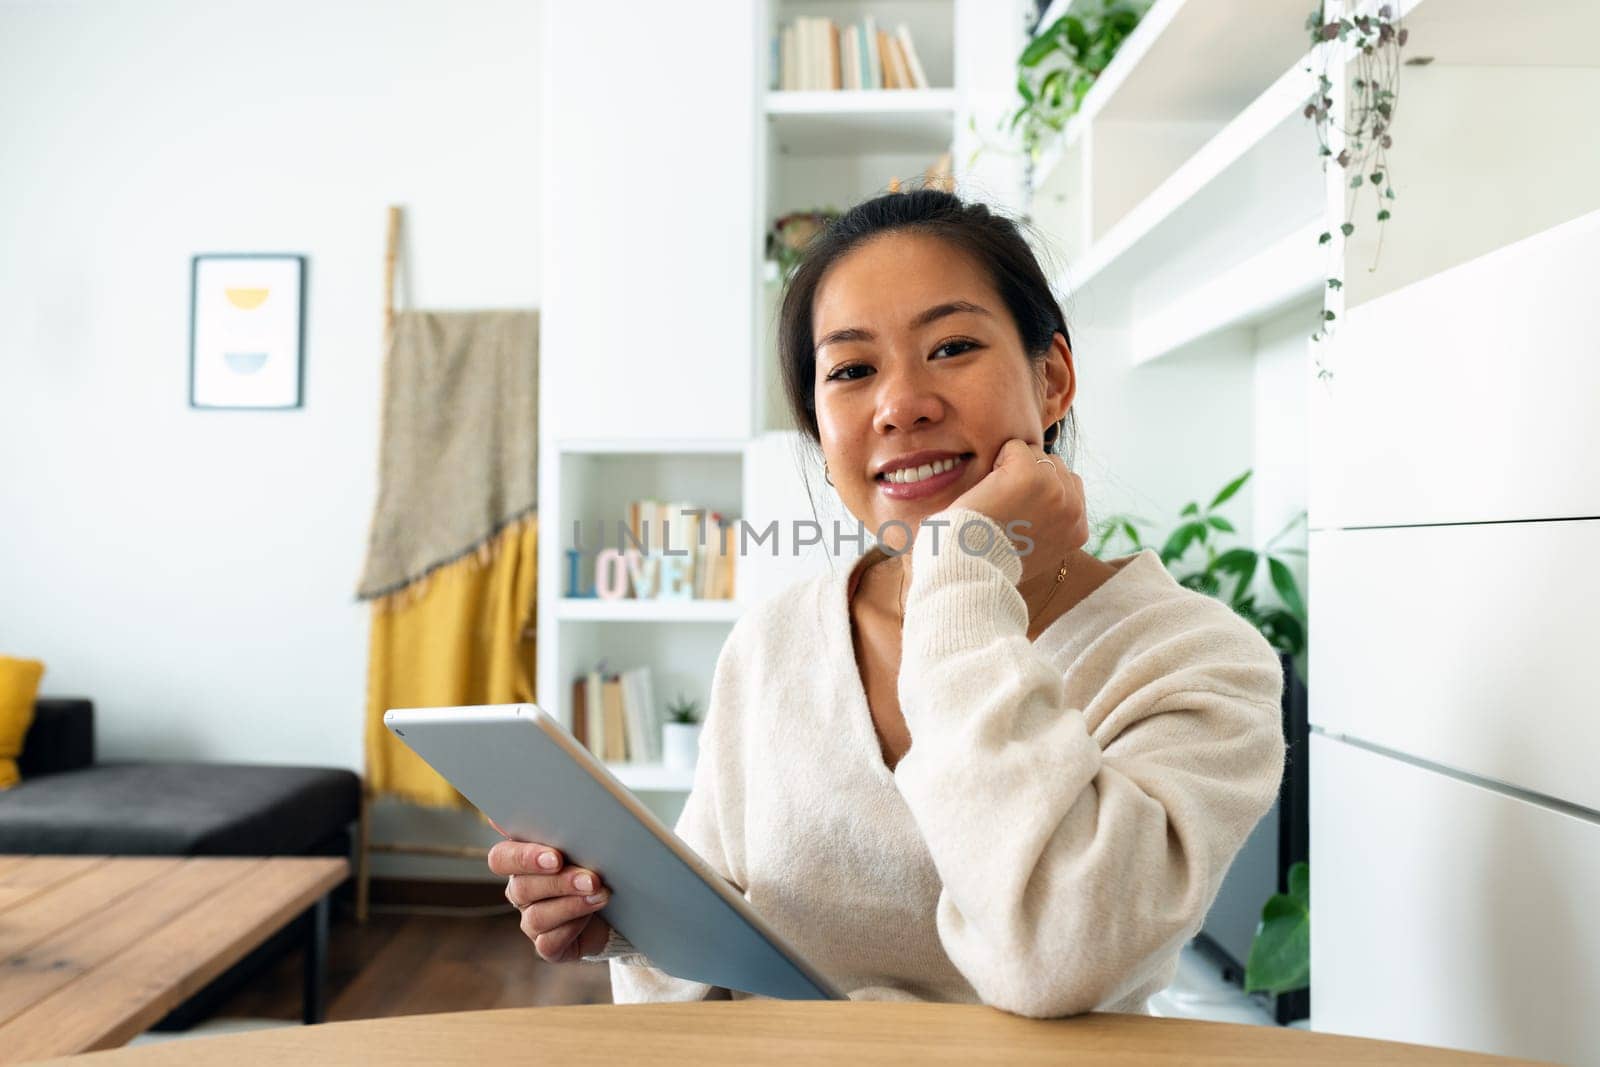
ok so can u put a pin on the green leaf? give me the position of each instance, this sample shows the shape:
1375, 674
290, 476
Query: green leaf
1283, 582
1355, 182
1347, 228
1024, 89
1192, 509
1328, 316
1300, 881
1075, 34
1228, 491
1038, 48
1377, 177
1051, 88
1220, 523
1325, 238
1240, 561
1181, 539
1335, 283
1383, 216
1280, 955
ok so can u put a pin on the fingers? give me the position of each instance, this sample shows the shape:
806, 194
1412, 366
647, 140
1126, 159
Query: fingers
564, 943
592, 937
553, 924
524, 889
1015, 450
524, 857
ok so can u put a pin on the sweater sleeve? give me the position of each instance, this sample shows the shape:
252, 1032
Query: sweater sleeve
1073, 866
703, 827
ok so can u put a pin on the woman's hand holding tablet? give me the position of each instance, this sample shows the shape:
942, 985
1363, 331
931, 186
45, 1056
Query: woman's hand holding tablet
557, 902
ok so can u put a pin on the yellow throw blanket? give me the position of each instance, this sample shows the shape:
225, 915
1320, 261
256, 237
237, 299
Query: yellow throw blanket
453, 638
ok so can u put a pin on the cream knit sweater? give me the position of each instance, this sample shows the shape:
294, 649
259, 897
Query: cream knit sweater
1060, 824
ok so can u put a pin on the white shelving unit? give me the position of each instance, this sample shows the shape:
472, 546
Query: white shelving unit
674, 348
1454, 753
1188, 163
593, 609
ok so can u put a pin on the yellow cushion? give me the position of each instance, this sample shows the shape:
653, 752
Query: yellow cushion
19, 685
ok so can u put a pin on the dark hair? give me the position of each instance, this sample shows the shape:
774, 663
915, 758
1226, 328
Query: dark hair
992, 239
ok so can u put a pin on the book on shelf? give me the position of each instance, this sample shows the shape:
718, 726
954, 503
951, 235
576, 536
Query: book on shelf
815, 53
682, 550
614, 715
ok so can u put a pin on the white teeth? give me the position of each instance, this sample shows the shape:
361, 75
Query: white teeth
907, 475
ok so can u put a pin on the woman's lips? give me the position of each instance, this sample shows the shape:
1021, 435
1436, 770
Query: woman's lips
928, 486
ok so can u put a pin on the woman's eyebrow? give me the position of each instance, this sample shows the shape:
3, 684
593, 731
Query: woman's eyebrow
921, 319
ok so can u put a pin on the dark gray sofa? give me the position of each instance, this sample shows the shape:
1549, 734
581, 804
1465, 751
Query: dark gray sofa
68, 803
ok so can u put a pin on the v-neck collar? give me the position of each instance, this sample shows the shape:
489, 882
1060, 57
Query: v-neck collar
857, 709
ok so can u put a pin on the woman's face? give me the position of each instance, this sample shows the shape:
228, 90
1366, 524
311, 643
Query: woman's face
921, 377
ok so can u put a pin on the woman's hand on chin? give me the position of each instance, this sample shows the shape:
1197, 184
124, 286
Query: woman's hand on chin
1042, 501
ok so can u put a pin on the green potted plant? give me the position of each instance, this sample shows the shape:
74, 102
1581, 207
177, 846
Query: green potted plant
1062, 62
680, 734
1227, 573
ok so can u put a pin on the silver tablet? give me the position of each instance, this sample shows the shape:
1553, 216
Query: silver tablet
521, 767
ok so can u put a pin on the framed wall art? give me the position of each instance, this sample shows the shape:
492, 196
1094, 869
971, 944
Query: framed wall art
246, 330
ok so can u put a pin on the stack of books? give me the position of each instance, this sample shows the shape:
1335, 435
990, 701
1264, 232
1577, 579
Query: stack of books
614, 715
816, 53
706, 541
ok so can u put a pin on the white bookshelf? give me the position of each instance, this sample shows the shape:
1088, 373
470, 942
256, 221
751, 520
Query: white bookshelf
861, 121
673, 350
594, 609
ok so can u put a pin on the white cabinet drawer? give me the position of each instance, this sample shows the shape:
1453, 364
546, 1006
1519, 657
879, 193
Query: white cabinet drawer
1471, 646
1468, 396
1447, 914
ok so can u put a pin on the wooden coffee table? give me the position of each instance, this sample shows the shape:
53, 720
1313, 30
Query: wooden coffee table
94, 949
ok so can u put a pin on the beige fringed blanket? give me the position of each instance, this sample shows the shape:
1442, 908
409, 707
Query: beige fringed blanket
459, 449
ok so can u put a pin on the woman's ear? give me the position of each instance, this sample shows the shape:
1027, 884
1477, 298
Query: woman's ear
1060, 381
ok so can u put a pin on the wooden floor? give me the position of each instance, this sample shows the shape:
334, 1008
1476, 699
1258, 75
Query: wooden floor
414, 964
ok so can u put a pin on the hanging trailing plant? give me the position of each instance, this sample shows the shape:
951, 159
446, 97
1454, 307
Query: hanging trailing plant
1059, 66
1375, 40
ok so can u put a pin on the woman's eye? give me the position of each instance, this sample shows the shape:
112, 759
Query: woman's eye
958, 347
845, 373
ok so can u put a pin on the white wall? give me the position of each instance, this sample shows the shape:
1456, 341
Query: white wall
192, 571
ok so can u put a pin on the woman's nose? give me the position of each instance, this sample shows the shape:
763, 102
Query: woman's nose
906, 399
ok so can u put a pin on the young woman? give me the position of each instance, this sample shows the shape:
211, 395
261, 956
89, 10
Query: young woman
992, 768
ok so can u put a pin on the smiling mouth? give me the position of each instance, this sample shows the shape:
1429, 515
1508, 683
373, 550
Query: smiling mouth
914, 475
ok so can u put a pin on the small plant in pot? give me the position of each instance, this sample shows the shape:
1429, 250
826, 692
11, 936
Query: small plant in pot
680, 734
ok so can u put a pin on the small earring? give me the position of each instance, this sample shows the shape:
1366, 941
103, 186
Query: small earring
825, 473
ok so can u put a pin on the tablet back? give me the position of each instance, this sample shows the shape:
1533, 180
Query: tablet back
520, 767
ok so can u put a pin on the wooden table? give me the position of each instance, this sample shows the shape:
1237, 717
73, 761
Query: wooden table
94, 949
771, 1032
